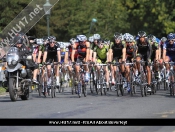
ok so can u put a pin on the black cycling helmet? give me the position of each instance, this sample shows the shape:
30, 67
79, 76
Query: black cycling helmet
18, 40
150, 36
51, 39
117, 34
141, 34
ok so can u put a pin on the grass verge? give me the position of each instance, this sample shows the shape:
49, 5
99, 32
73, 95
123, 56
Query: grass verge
2, 90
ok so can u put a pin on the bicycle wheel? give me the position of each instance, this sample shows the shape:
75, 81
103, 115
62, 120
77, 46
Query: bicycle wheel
92, 83
105, 89
79, 89
145, 90
40, 88
84, 89
142, 90
131, 83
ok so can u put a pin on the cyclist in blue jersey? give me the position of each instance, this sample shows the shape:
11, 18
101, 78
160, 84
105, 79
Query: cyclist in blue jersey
169, 51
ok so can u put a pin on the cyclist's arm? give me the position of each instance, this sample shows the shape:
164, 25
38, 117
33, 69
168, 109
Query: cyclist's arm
66, 56
149, 51
157, 52
164, 52
124, 51
59, 54
45, 55
87, 51
73, 52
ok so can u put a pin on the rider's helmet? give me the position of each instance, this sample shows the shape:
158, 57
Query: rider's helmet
73, 40
130, 38
163, 39
81, 38
96, 36
170, 36
141, 34
91, 39
18, 40
51, 39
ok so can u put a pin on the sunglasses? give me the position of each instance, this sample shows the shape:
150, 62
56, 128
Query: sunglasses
129, 42
100, 44
171, 40
52, 42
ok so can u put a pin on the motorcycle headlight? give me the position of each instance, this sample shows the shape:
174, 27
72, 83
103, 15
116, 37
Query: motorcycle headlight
14, 62
29, 57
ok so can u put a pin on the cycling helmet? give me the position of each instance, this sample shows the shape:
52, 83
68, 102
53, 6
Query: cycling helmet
18, 40
91, 39
126, 35
51, 38
142, 34
101, 41
163, 39
81, 38
117, 34
130, 38
73, 40
170, 36
97, 36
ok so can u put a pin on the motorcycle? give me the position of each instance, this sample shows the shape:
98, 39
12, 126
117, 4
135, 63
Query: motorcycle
19, 77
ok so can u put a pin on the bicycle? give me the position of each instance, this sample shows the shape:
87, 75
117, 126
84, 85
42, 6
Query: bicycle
143, 79
101, 82
51, 87
170, 80
92, 76
119, 82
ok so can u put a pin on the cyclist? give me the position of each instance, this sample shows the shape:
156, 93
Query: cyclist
144, 52
117, 53
169, 51
82, 47
155, 57
52, 53
96, 37
131, 49
101, 57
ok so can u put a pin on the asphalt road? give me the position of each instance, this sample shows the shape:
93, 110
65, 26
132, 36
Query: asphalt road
66, 105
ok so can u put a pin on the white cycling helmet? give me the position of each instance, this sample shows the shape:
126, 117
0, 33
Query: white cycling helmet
96, 36
91, 39
81, 38
130, 38
73, 40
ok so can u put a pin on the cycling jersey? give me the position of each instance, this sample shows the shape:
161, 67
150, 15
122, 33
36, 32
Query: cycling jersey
130, 50
52, 52
81, 50
117, 49
101, 53
154, 47
170, 50
144, 49
70, 53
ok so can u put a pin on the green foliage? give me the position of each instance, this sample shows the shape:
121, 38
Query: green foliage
72, 17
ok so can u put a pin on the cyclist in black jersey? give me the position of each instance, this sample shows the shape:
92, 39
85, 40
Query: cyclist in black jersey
144, 52
117, 53
52, 54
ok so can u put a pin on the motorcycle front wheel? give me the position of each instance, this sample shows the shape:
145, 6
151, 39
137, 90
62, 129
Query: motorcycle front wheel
13, 89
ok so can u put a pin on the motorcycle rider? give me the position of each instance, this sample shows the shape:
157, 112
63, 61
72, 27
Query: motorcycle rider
23, 50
